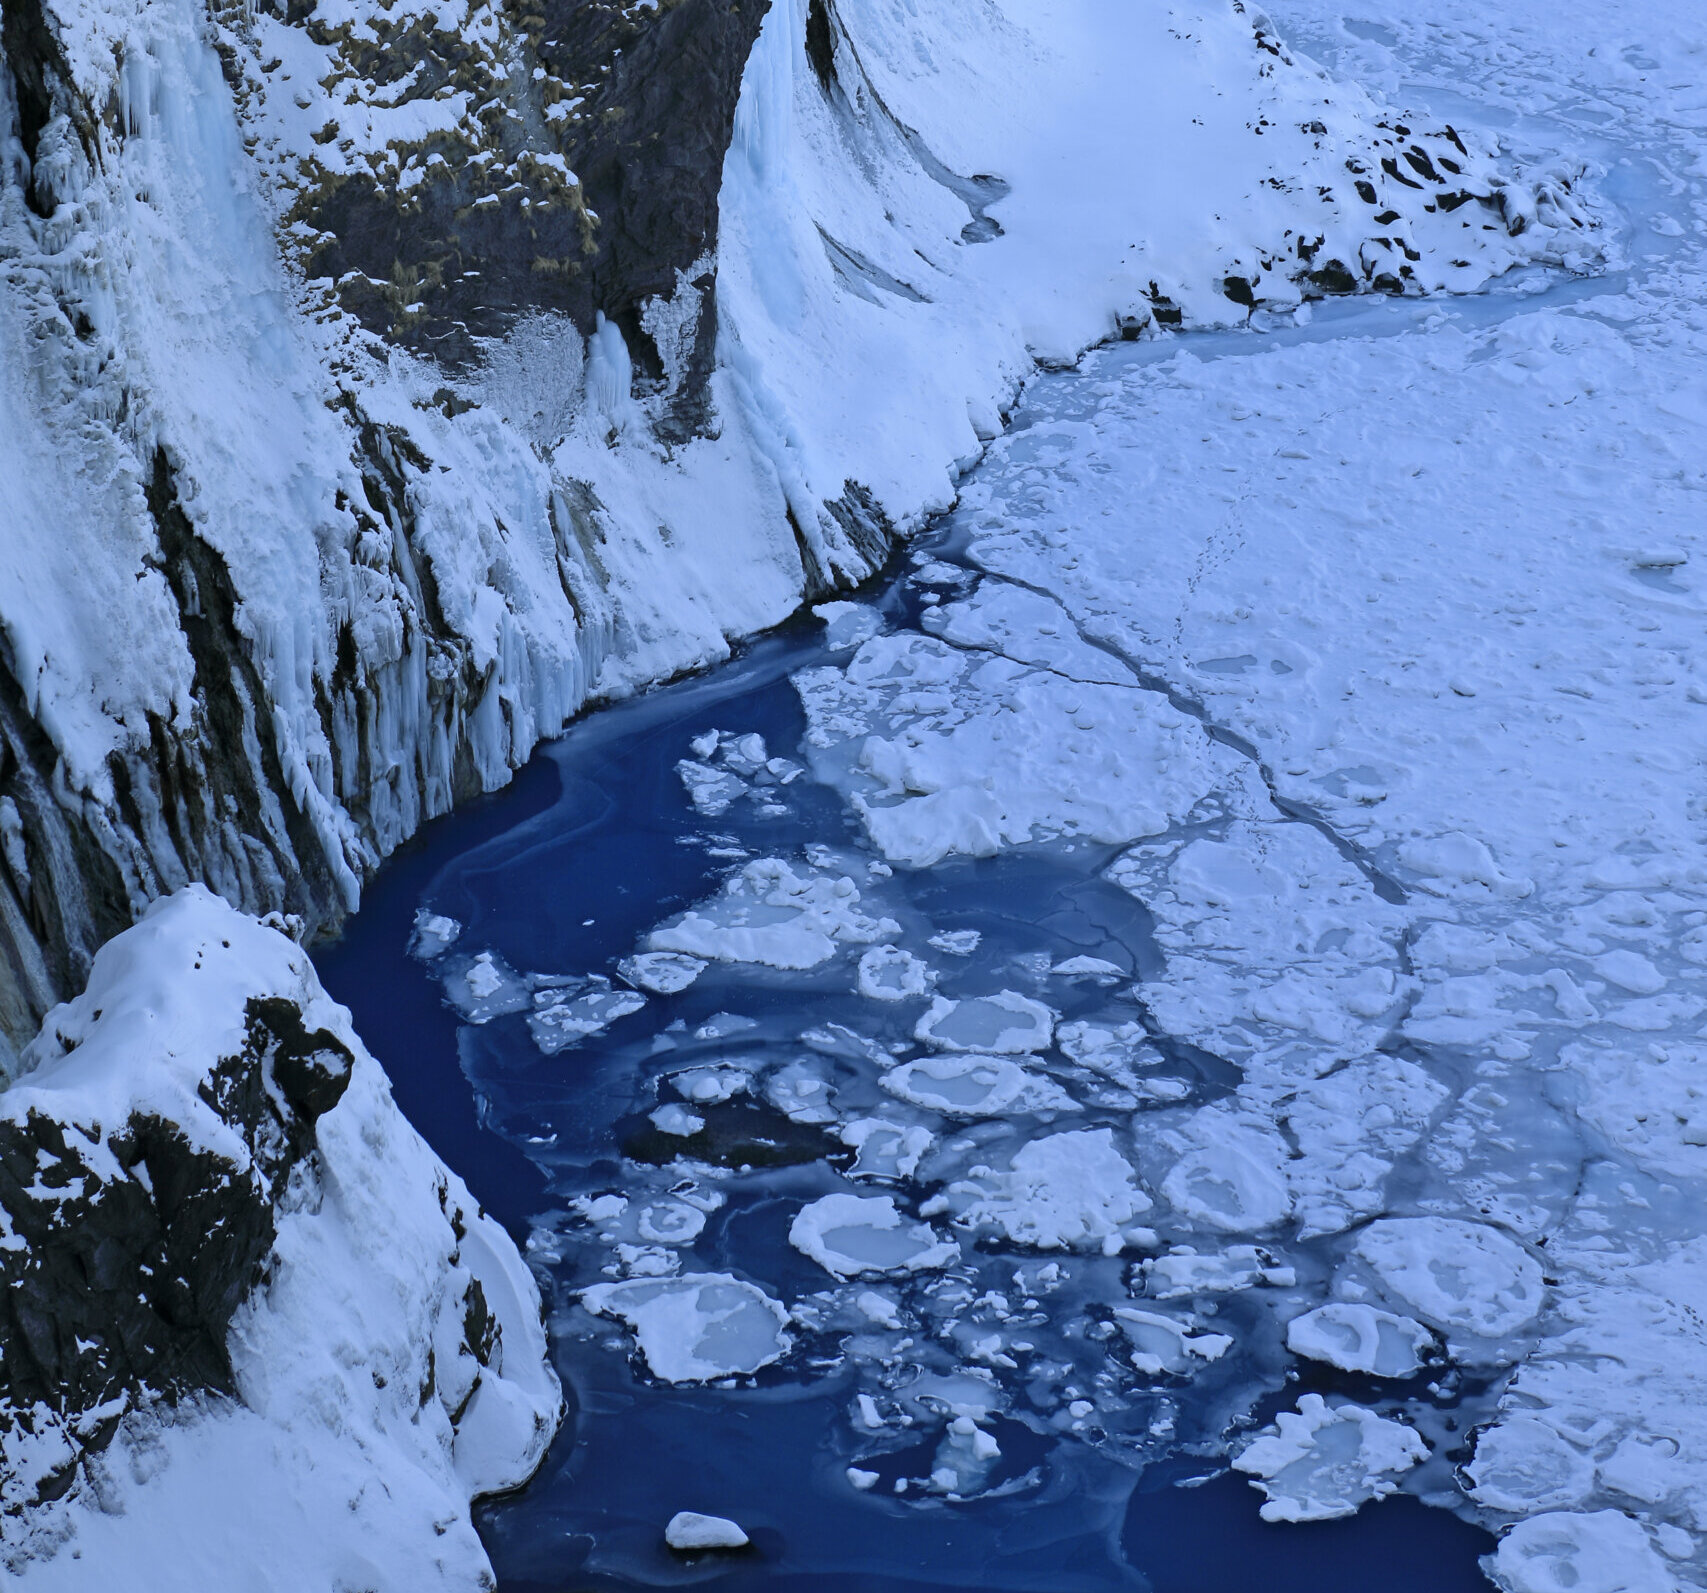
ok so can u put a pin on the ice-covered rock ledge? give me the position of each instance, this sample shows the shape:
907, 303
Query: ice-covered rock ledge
253, 1334
381, 384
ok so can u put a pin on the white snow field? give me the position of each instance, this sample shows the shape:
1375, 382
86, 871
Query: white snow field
362, 1424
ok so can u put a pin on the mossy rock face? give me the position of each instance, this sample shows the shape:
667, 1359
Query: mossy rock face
573, 164
137, 1246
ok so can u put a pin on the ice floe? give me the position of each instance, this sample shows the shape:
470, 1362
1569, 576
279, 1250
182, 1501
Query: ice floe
1006, 1022
768, 913
961, 1085
1360, 1338
696, 1327
854, 1234
1059, 1191
1464, 1277
1323, 1461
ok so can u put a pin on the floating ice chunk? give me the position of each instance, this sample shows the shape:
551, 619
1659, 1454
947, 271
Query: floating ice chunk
710, 790
1601, 1552
434, 935
1162, 1344
886, 973
485, 987
709, 1086
1087, 968
1359, 1338
965, 1458
697, 1327
1236, 1182
689, 1530
956, 942
566, 1015
884, 1149
852, 1234
665, 972
861, 1479
1063, 1190
1319, 1461
674, 1118
704, 745
744, 754
801, 1093
1631, 971
769, 914
878, 1308
1457, 864
848, 624
1454, 1274
669, 1222
1524, 1465
1184, 1272
975, 1086
1005, 1022
1108, 1050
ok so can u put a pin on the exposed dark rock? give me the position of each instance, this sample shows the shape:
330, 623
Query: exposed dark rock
138, 1245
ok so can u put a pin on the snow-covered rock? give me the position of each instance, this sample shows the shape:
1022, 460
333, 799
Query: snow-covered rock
688, 1530
239, 1286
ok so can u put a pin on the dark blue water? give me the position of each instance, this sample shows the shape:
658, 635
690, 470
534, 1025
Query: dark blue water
592, 845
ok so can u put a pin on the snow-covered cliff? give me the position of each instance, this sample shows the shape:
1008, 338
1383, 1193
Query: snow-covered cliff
248, 1320
382, 385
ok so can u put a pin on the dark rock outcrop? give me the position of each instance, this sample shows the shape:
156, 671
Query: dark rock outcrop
137, 1245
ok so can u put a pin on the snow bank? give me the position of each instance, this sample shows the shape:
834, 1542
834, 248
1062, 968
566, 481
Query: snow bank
383, 1363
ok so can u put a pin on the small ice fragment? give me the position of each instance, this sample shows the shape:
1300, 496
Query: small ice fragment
1456, 1275
851, 1234
1006, 1022
1185, 1272
884, 1149
710, 790
704, 744
700, 1326
434, 934
483, 978
975, 1086
665, 972
1603, 1551
861, 1479
1162, 1344
848, 624
887, 973
709, 1086
674, 1118
870, 1417
878, 1308
956, 942
801, 1093
670, 1222
1321, 1462
1359, 1338
561, 1018
1087, 967
689, 1530
964, 1458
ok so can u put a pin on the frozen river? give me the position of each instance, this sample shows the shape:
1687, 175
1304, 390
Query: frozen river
1184, 1001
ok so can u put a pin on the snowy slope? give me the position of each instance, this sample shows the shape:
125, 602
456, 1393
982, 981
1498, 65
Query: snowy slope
327, 1426
300, 553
